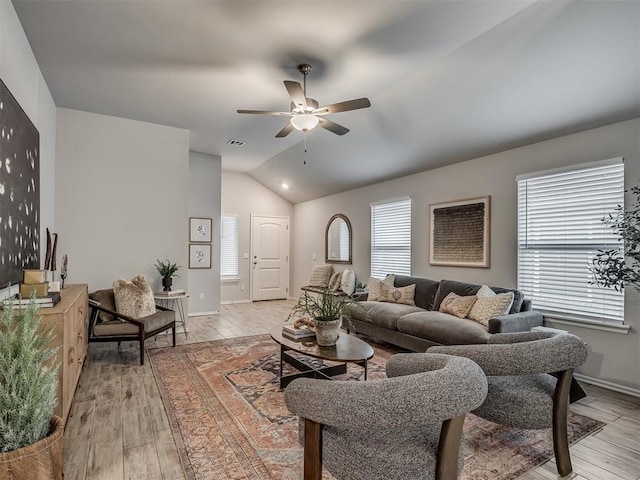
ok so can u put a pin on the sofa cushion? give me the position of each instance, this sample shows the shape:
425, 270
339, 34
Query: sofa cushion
376, 286
465, 289
425, 289
383, 314
489, 305
160, 319
402, 295
443, 328
456, 305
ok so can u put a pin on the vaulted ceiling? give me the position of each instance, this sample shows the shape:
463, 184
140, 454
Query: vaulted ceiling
448, 80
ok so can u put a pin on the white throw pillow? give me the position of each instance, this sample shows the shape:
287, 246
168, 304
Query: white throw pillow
348, 281
489, 305
320, 275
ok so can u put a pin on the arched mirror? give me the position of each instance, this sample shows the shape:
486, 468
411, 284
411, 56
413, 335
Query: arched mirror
337, 240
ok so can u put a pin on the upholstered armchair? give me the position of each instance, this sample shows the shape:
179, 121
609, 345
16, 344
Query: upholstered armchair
530, 376
108, 325
407, 426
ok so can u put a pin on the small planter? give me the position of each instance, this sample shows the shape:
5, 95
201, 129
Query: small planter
40, 461
166, 283
327, 332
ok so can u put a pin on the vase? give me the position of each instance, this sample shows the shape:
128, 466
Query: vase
327, 331
39, 461
166, 283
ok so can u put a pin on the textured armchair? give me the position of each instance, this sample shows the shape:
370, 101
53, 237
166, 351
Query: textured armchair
530, 376
107, 325
408, 426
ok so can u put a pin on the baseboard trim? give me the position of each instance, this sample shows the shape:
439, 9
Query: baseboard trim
231, 302
608, 385
199, 314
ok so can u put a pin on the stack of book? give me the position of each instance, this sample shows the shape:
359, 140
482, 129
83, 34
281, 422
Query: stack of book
47, 301
168, 293
297, 333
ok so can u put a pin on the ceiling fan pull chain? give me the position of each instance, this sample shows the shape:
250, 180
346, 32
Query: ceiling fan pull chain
305, 144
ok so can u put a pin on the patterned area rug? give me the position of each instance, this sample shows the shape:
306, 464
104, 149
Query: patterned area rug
229, 420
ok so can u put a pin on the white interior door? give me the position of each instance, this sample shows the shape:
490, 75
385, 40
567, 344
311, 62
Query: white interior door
269, 257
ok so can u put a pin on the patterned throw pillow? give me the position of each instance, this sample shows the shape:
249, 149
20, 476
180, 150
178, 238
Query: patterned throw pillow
402, 295
134, 298
348, 281
489, 305
320, 275
456, 305
334, 281
375, 286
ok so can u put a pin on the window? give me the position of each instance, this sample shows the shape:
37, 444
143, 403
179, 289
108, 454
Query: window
391, 238
559, 232
229, 247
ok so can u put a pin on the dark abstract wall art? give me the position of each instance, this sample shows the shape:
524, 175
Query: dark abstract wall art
460, 233
19, 190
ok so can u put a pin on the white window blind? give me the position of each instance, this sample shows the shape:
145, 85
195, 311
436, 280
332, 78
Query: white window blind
229, 246
391, 238
559, 232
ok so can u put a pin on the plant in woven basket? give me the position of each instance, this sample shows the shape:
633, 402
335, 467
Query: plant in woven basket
615, 268
27, 381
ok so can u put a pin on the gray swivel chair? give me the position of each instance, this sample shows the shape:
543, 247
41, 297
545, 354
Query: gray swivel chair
530, 376
408, 426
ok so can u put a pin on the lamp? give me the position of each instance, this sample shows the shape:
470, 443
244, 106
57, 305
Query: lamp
304, 121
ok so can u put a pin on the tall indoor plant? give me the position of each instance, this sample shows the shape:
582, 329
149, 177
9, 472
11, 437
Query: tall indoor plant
615, 268
167, 271
326, 310
30, 434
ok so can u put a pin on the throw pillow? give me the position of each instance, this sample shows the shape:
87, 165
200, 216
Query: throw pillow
456, 305
375, 286
402, 295
348, 281
134, 298
320, 275
334, 281
489, 305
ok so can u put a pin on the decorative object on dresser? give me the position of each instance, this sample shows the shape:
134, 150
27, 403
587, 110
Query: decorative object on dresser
167, 271
460, 233
64, 269
30, 433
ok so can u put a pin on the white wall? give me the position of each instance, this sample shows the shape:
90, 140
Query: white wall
204, 201
244, 196
20, 73
121, 197
613, 357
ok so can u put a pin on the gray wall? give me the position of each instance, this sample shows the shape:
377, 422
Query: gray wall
21, 74
121, 197
244, 196
204, 201
613, 358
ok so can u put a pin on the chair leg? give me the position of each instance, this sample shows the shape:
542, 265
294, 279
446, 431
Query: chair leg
173, 332
119, 349
142, 350
312, 450
448, 448
560, 412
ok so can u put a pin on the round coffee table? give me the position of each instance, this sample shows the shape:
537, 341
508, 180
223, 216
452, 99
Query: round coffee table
348, 349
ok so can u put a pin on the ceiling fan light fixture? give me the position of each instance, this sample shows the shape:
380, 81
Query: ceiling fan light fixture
304, 122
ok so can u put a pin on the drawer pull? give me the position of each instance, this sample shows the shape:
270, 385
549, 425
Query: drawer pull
70, 355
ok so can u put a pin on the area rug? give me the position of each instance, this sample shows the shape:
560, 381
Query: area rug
229, 419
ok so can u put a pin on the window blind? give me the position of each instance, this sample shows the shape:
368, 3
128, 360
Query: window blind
229, 233
391, 238
560, 230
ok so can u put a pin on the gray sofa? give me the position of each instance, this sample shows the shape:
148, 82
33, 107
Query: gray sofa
422, 326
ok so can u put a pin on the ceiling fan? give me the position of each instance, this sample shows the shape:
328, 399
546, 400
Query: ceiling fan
306, 113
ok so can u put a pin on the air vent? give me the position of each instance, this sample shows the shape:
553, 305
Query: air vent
236, 143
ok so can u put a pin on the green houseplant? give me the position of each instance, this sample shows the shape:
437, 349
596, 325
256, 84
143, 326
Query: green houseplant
326, 310
615, 268
30, 434
167, 271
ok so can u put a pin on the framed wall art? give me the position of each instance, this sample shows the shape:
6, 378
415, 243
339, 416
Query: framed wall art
459, 232
199, 255
200, 230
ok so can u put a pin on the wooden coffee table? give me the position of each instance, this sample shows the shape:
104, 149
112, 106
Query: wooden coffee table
348, 349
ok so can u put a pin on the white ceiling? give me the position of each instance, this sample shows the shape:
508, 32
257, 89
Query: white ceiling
448, 80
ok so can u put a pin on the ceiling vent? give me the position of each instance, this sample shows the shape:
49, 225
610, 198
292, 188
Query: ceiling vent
236, 143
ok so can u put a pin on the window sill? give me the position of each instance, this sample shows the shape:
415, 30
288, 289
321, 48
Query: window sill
229, 279
559, 319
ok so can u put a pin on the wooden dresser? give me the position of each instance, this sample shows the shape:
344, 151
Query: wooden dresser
69, 320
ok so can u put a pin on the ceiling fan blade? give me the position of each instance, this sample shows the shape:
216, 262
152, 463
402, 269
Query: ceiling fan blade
288, 128
344, 106
333, 126
264, 112
296, 93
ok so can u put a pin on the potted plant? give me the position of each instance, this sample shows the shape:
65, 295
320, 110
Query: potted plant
167, 270
613, 268
326, 311
30, 434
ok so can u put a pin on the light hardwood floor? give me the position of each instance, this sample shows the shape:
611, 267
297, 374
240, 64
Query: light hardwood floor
118, 428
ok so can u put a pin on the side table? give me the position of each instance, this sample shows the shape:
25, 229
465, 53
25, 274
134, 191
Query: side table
176, 303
